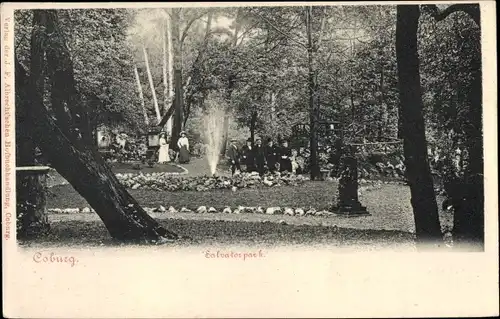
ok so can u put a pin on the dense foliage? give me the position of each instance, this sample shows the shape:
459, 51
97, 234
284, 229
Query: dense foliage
254, 57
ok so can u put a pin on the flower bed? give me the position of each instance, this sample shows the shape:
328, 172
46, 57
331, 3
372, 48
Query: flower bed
165, 181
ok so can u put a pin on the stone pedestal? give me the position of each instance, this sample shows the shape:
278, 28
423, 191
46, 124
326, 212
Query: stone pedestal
31, 193
347, 202
152, 155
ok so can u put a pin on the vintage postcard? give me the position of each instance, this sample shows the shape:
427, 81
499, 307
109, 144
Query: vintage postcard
239, 159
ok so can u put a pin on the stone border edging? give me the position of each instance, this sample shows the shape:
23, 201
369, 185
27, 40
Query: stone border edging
211, 210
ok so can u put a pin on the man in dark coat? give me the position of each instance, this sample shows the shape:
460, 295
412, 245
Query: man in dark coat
259, 156
248, 156
233, 153
285, 154
271, 155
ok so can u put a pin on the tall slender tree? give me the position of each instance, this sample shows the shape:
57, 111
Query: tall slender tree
151, 85
141, 96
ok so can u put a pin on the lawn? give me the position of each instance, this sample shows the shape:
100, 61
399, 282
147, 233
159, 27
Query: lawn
390, 224
222, 233
389, 205
315, 194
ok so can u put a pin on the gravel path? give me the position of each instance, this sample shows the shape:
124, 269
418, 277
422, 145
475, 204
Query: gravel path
196, 167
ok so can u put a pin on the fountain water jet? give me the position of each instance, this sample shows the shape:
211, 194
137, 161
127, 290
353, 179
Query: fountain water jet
212, 124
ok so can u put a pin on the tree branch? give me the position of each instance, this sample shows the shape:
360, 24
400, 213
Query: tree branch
322, 28
189, 24
472, 10
287, 35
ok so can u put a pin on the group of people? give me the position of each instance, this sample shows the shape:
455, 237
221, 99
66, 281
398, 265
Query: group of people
182, 144
262, 159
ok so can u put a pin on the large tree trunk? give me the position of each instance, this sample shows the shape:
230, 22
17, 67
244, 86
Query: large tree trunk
225, 123
31, 198
468, 194
230, 88
313, 105
197, 72
253, 122
179, 105
79, 164
423, 198
32, 219
74, 120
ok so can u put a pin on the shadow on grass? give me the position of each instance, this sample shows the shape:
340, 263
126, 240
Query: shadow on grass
203, 232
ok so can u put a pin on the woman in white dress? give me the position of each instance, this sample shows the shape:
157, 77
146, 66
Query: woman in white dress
163, 156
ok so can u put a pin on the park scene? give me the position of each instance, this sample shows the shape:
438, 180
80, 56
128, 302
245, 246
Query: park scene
354, 127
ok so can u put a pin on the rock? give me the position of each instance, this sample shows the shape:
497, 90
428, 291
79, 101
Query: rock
57, 210
136, 186
227, 210
289, 211
300, 212
234, 188
202, 210
172, 210
311, 211
321, 213
86, 210
259, 210
185, 210
250, 210
267, 182
282, 222
236, 211
162, 209
273, 210
212, 210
